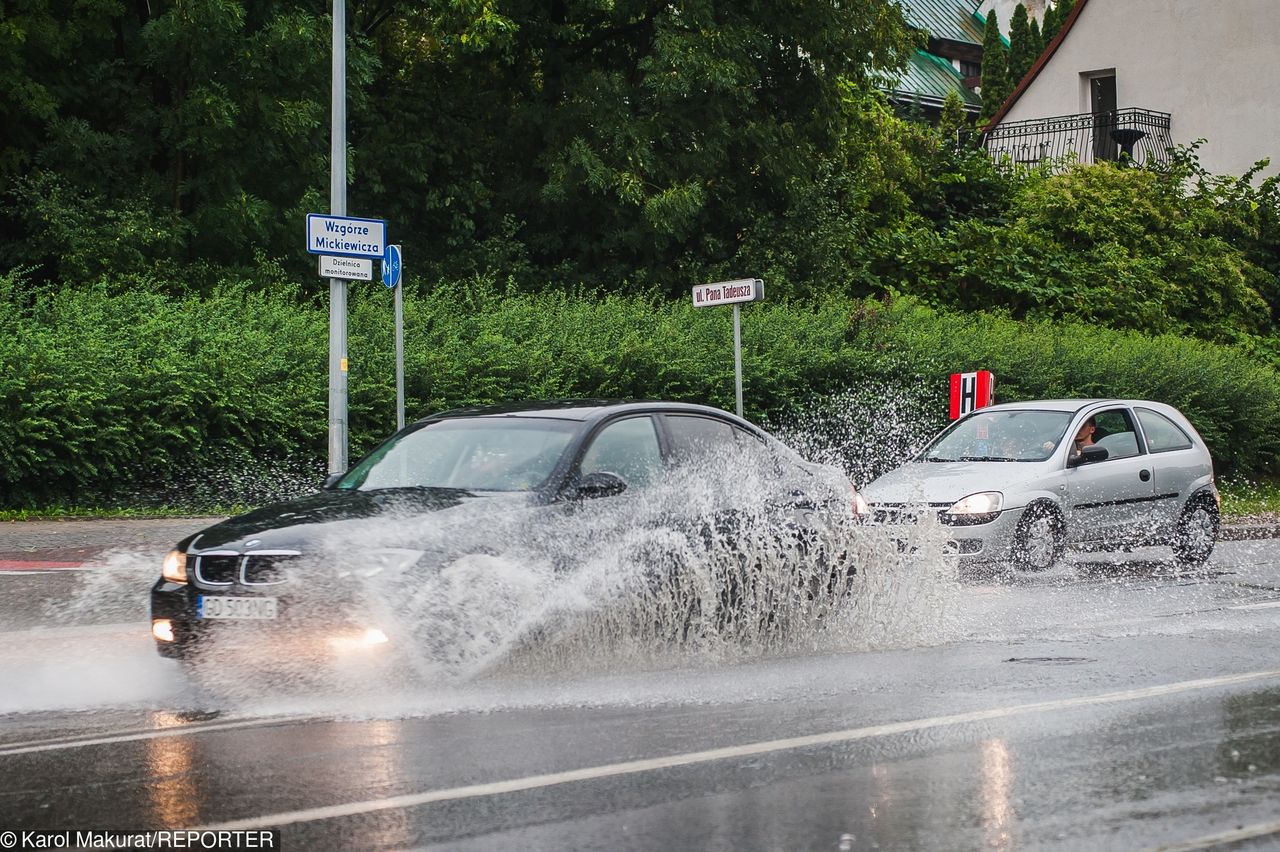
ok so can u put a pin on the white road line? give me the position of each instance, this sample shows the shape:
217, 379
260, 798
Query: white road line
1248, 832
1267, 605
633, 767
149, 734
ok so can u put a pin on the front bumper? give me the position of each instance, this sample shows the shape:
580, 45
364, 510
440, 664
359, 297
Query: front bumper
972, 543
300, 631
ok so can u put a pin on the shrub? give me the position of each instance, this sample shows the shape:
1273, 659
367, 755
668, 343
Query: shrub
109, 395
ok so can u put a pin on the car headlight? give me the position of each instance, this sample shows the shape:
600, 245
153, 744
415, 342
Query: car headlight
860, 508
174, 568
975, 509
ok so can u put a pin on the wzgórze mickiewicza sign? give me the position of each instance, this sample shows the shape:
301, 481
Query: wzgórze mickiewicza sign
346, 236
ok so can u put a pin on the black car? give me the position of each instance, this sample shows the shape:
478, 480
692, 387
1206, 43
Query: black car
557, 478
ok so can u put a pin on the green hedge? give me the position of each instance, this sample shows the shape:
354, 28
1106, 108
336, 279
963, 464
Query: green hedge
106, 394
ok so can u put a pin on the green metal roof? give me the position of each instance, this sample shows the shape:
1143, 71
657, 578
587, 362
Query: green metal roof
956, 20
929, 77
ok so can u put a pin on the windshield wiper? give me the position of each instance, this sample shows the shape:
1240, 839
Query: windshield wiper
936, 459
985, 458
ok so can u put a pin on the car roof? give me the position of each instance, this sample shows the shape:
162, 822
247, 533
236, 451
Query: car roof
574, 409
1051, 404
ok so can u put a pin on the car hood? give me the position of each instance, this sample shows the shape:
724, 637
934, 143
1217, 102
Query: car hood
947, 482
330, 515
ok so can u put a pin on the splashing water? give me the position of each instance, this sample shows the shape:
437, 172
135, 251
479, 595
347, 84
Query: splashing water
703, 569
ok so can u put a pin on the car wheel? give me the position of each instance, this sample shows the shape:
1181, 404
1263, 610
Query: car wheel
1196, 534
1038, 542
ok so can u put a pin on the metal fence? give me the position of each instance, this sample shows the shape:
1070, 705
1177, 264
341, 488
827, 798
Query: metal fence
1132, 135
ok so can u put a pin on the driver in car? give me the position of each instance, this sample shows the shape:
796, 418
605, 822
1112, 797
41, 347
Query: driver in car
1084, 438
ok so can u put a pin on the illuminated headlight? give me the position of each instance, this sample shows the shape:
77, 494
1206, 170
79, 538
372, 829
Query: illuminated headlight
370, 638
975, 509
174, 568
162, 630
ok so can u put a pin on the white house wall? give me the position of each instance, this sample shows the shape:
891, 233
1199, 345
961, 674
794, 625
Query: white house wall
1215, 67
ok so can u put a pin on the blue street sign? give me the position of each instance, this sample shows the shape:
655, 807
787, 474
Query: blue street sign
346, 236
391, 267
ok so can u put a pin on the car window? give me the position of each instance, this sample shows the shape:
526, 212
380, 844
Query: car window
756, 452
1010, 436
628, 448
1161, 432
693, 437
471, 453
1114, 431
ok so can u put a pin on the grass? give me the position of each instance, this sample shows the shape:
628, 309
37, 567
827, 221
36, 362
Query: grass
1245, 498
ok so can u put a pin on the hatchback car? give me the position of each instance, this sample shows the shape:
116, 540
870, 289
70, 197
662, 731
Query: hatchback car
472, 471
1015, 485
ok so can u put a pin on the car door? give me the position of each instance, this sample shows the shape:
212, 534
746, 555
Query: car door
1110, 500
1177, 465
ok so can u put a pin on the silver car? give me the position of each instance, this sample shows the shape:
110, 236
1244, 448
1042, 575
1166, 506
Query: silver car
1020, 482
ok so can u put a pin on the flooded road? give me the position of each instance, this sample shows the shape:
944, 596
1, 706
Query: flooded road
1112, 703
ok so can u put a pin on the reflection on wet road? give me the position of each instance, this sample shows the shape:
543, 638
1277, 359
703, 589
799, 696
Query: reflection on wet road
1110, 704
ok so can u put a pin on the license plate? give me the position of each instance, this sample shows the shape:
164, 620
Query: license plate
213, 606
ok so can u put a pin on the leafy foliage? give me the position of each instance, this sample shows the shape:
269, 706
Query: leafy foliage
106, 393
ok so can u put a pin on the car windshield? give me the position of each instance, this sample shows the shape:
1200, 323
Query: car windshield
469, 453
1016, 436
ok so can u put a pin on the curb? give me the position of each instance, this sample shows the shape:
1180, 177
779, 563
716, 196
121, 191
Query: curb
1249, 532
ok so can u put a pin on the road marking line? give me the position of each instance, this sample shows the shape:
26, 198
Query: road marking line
1267, 605
27, 566
633, 767
35, 746
1248, 832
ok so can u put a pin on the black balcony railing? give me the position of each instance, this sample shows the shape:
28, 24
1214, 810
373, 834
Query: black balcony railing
1139, 136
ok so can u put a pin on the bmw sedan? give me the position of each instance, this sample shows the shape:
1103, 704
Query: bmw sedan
556, 479
1020, 482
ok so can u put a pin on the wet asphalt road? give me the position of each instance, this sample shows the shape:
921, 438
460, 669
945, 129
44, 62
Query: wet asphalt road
1110, 704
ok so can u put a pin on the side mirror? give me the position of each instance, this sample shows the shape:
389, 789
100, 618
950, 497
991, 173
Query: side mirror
599, 483
331, 480
1089, 455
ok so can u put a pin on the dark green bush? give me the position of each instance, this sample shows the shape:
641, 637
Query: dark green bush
105, 394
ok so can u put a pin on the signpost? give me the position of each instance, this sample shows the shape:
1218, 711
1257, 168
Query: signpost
392, 268
971, 391
337, 207
731, 293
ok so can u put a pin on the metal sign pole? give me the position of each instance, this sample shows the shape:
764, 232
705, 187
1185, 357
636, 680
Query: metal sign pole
338, 207
737, 354
400, 354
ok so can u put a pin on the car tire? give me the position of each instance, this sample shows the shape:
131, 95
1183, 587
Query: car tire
1039, 539
1196, 533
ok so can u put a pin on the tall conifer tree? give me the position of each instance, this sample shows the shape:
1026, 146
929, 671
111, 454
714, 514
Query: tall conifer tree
1022, 51
995, 69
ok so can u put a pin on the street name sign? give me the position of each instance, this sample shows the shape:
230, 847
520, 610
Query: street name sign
350, 268
728, 292
346, 236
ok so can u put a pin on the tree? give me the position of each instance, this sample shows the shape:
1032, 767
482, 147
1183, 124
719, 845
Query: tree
1037, 39
1054, 17
995, 69
1022, 50
953, 117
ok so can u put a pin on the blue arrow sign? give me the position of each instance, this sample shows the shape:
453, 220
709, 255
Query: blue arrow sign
391, 266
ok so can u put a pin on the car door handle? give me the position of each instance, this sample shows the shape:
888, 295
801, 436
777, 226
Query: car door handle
1144, 475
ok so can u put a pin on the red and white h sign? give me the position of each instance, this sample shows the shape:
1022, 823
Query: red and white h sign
970, 391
